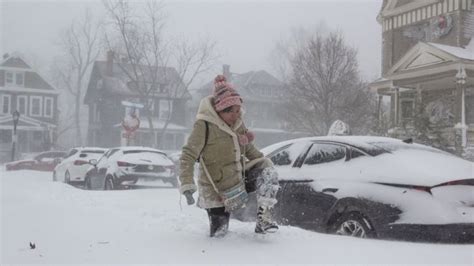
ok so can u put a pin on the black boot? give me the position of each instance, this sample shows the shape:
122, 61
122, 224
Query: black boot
218, 221
265, 224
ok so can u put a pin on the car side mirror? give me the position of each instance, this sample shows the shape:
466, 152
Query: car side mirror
93, 162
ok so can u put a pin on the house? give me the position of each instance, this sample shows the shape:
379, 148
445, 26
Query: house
428, 70
110, 88
263, 96
24, 90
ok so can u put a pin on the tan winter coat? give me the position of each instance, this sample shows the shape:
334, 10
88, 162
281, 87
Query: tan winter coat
221, 155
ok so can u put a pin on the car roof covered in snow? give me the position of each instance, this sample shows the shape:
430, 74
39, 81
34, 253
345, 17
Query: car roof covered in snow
138, 148
366, 143
90, 148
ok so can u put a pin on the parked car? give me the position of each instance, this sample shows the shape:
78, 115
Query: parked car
74, 166
373, 187
45, 161
125, 165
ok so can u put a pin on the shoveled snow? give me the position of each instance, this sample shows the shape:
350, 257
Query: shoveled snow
147, 225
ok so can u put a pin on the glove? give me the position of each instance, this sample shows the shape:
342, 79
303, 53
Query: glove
189, 197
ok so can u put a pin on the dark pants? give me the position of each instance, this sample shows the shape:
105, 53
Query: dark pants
218, 221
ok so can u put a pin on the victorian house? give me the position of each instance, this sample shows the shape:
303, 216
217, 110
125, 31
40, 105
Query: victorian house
112, 95
24, 90
264, 97
428, 70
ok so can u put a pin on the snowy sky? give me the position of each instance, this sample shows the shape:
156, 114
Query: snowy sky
245, 31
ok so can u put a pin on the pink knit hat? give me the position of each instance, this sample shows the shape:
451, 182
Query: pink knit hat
224, 94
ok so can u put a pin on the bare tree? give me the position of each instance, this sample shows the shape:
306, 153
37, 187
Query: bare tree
148, 54
80, 45
324, 83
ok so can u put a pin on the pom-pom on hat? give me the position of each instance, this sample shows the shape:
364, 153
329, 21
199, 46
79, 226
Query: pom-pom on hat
224, 94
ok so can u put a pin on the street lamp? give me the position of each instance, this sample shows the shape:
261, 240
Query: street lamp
16, 117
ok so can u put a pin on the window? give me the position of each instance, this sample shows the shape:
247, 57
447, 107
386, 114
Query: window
14, 78
9, 78
48, 106
281, 158
36, 105
6, 104
21, 104
355, 153
325, 153
407, 109
166, 108
20, 79
287, 155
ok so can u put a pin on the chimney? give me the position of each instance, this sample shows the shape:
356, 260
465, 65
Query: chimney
226, 72
109, 67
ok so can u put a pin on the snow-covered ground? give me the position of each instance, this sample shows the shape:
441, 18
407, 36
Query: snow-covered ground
148, 225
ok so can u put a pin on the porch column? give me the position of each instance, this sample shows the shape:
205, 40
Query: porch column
397, 107
418, 108
460, 116
379, 111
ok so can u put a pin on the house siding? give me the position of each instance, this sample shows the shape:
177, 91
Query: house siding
395, 42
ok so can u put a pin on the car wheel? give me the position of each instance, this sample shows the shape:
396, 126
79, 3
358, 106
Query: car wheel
55, 178
354, 224
87, 183
67, 177
109, 183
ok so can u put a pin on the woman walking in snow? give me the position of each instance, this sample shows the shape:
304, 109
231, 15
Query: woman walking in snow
223, 146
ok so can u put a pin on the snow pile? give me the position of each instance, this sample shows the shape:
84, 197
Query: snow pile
146, 225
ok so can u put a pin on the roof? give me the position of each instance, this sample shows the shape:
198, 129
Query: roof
117, 83
14, 61
157, 125
246, 84
32, 77
460, 52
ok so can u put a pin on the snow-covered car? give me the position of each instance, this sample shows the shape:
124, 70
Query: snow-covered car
373, 187
125, 165
45, 161
74, 166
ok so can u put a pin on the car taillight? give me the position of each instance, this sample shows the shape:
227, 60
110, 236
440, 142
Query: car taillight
125, 164
80, 162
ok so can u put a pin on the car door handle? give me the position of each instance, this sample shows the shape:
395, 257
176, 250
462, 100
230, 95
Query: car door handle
332, 190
